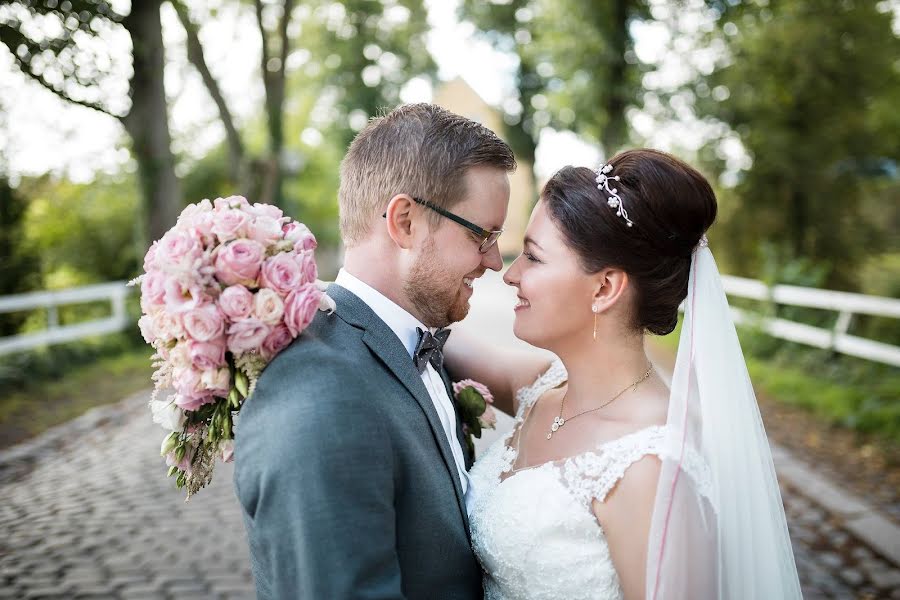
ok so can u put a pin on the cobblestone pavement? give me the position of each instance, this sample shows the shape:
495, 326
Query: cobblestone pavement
87, 512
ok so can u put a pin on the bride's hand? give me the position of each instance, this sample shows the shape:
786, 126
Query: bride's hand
503, 370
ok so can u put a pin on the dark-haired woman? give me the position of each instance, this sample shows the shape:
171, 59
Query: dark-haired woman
614, 483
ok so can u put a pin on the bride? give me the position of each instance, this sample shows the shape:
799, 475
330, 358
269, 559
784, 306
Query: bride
611, 483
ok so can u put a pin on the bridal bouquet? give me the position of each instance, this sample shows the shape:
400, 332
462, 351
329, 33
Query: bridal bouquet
224, 291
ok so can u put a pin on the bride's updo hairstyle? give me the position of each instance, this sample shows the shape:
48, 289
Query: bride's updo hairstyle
670, 204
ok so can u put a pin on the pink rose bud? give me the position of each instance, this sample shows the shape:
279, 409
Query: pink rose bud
204, 323
239, 262
246, 335
236, 301
300, 308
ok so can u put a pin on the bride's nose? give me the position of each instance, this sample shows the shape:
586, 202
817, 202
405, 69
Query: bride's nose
509, 277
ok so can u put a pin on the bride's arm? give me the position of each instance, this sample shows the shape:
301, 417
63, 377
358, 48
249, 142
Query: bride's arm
625, 516
503, 370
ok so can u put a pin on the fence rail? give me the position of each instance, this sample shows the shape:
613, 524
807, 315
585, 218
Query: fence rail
837, 339
114, 292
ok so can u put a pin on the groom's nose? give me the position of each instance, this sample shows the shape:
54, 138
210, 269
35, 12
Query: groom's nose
492, 259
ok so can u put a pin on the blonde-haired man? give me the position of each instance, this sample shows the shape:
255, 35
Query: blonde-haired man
350, 463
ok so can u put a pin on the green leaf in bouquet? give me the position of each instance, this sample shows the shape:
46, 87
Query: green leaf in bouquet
234, 399
241, 383
172, 470
179, 453
471, 404
170, 442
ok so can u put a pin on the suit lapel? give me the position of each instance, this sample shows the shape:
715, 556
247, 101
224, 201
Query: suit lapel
385, 345
460, 436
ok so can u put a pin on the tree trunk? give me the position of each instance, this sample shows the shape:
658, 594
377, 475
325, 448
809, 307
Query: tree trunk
147, 122
615, 133
237, 167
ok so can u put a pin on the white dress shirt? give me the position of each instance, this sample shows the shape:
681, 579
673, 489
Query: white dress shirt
404, 326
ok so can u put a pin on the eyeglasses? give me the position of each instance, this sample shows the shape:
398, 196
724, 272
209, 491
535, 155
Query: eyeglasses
488, 237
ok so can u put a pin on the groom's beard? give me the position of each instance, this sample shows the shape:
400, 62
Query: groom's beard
434, 293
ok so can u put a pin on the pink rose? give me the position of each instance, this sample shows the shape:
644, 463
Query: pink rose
193, 211
190, 403
180, 298
150, 257
186, 381
268, 306
236, 302
282, 272
230, 202
178, 249
300, 308
167, 325
217, 381
279, 339
230, 224
479, 387
207, 355
148, 332
264, 230
153, 289
488, 419
239, 262
204, 323
265, 210
300, 235
247, 334
308, 266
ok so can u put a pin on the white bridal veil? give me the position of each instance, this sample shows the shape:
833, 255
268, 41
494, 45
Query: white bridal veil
718, 530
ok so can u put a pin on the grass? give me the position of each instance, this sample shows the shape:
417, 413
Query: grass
840, 390
38, 405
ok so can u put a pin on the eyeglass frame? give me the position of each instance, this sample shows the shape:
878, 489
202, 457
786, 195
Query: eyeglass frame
487, 235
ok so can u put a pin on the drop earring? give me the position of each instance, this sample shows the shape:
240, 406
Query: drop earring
594, 309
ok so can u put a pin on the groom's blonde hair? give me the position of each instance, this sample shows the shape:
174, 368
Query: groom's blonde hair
418, 149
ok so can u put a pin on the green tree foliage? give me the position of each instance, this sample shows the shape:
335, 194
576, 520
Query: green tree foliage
577, 66
19, 264
811, 88
65, 47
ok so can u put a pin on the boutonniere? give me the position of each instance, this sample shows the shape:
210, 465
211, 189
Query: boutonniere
475, 410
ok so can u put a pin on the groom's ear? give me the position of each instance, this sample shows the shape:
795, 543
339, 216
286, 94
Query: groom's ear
399, 220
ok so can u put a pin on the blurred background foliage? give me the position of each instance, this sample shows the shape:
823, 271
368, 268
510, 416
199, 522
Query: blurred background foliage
793, 101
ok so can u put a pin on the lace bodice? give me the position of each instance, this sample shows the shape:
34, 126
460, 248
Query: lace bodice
534, 530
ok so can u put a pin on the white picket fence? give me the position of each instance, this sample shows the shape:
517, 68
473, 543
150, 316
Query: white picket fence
844, 303
836, 338
114, 293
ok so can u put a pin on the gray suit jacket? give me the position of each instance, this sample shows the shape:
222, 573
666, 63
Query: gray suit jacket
345, 476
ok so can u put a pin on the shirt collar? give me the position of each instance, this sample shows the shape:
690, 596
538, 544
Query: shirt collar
401, 322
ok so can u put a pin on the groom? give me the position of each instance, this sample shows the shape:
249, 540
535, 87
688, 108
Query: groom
350, 463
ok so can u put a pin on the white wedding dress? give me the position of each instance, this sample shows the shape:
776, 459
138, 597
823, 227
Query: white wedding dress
533, 529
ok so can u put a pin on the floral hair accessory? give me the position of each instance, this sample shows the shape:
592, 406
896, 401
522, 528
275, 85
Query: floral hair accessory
614, 200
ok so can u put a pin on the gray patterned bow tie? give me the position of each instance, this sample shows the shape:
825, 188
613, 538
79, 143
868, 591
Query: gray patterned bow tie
430, 349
